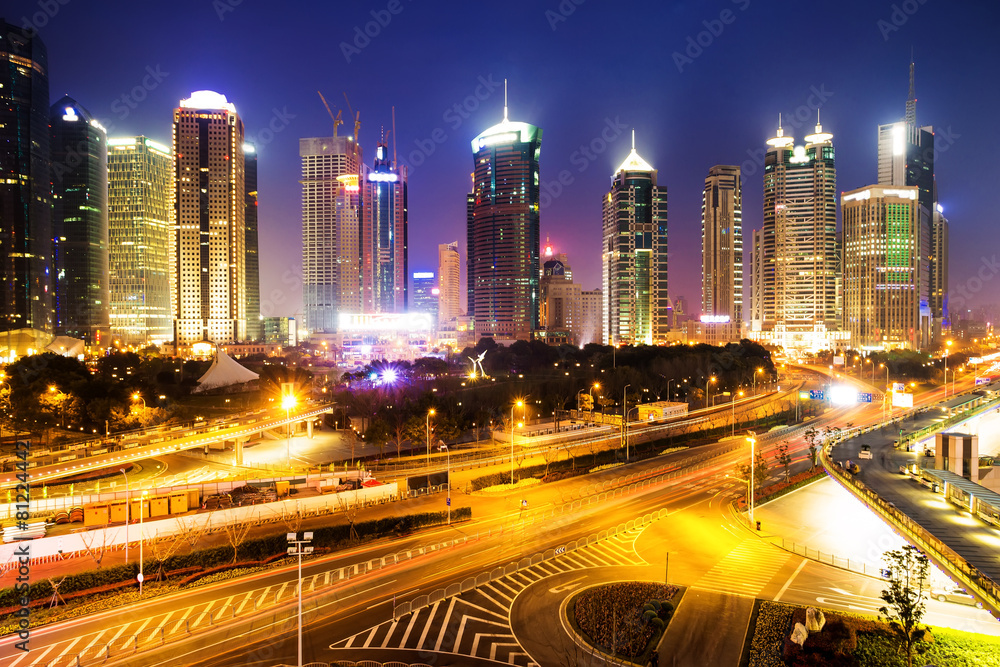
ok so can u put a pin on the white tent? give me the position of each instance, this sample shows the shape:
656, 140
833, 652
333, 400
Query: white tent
224, 372
66, 346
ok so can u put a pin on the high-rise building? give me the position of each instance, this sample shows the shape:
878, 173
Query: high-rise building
722, 245
560, 297
425, 294
331, 230
449, 280
79, 146
140, 240
25, 202
503, 231
906, 158
210, 210
636, 306
384, 236
590, 320
882, 267
255, 325
799, 249
939, 272
755, 303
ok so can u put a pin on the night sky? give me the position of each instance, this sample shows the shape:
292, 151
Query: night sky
586, 71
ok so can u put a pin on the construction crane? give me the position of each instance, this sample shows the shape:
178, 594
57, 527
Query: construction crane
357, 118
336, 120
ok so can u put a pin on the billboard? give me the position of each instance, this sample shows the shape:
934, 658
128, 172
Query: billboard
901, 400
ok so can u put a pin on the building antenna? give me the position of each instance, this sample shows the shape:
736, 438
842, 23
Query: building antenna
505, 100
633, 138
394, 137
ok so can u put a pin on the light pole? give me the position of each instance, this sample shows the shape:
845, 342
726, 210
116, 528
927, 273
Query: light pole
752, 438
448, 502
734, 412
298, 550
669, 396
635, 409
430, 413
138, 397
597, 385
708, 390
519, 404
288, 402
625, 419
122, 471
142, 504
947, 350
886, 394
759, 370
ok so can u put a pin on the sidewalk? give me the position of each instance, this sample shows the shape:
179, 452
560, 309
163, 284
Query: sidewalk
708, 629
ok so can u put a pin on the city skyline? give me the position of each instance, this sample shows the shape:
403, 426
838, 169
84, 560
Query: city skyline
436, 118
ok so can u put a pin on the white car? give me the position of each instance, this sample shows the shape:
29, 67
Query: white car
956, 595
866, 452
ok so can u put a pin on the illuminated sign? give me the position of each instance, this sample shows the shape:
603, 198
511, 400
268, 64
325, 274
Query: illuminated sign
902, 400
385, 322
865, 397
899, 386
350, 182
506, 137
70, 114
380, 177
715, 319
423, 274
816, 395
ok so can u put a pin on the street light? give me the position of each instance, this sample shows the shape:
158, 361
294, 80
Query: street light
430, 413
635, 409
122, 471
734, 412
288, 402
142, 503
708, 390
759, 370
669, 396
947, 350
519, 404
299, 550
138, 397
752, 439
448, 451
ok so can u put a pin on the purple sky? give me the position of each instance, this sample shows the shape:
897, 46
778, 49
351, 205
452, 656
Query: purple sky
584, 77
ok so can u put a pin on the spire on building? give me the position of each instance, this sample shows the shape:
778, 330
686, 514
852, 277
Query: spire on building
911, 100
818, 137
633, 162
505, 101
780, 140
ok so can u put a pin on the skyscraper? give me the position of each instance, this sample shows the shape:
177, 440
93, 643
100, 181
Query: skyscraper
449, 278
881, 267
425, 294
799, 249
503, 231
79, 222
560, 297
384, 237
255, 326
140, 240
722, 244
210, 209
906, 158
25, 203
636, 307
331, 230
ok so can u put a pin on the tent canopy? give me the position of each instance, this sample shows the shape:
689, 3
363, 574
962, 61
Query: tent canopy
66, 346
224, 372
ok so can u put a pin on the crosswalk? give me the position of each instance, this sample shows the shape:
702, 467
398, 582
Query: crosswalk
477, 622
745, 570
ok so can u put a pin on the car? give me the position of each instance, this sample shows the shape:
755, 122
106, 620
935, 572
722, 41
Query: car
866, 452
956, 595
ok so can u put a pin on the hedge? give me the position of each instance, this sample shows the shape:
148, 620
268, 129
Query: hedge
258, 549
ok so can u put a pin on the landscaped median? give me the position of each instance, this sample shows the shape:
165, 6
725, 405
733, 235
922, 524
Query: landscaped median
624, 619
849, 640
778, 489
105, 588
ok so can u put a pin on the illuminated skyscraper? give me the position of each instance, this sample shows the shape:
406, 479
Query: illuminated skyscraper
384, 237
140, 240
255, 325
331, 230
79, 222
425, 294
210, 210
882, 267
560, 297
722, 244
503, 231
449, 278
799, 248
25, 202
636, 306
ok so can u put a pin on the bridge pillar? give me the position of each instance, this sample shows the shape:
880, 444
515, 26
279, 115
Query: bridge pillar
309, 428
239, 451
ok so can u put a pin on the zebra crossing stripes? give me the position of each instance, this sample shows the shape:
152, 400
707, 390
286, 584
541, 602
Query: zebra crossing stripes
745, 570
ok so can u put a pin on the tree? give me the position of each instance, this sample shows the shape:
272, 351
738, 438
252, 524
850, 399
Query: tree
164, 546
783, 458
905, 596
760, 469
236, 533
96, 548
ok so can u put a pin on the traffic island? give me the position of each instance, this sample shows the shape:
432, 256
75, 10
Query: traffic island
625, 620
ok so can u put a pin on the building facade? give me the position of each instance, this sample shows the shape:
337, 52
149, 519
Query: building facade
503, 231
449, 282
79, 146
636, 307
140, 240
425, 294
799, 255
255, 326
384, 237
722, 244
560, 297
591, 319
882, 267
210, 210
331, 230
25, 201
